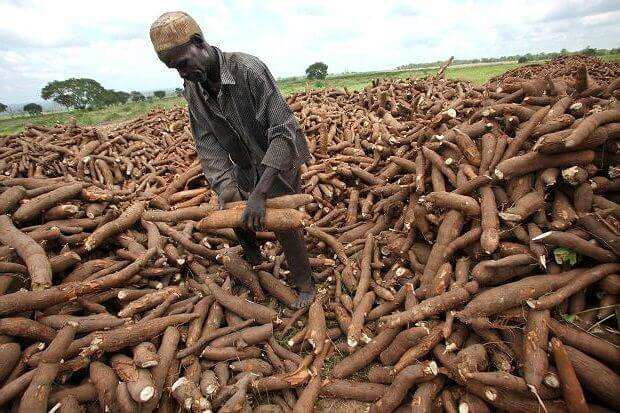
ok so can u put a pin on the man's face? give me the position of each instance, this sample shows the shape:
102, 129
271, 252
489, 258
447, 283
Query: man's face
190, 61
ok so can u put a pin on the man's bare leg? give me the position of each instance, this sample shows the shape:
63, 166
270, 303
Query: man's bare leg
251, 250
296, 254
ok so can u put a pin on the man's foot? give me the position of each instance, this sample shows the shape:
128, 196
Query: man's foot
252, 255
306, 291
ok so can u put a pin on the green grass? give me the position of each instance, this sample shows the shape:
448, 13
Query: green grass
110, 114
477, 74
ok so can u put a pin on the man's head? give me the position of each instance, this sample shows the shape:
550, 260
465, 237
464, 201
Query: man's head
179, 43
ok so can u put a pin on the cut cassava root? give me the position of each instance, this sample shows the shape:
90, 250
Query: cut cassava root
452, 233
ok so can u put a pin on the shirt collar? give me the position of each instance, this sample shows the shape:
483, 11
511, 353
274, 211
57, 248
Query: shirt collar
226, 78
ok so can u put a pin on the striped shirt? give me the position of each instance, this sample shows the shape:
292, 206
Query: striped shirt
247, 128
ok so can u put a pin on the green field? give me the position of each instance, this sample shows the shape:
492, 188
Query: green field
478, 74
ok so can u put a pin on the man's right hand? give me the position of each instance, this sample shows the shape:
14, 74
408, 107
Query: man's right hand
230, 194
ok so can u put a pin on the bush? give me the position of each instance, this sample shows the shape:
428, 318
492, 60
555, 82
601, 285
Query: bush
33, 109
137, 96
159, 94
316, 70
522, 59
3, 107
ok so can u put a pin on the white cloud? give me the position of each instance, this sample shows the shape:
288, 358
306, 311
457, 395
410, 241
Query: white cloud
108, 41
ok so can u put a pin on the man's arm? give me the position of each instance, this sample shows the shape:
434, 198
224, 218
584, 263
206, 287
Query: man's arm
216, 164
276, 116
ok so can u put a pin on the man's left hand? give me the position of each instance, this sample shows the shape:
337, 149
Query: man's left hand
253, 216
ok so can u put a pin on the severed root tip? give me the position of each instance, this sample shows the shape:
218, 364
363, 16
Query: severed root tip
352, 343
552, 381
450, 348
507, 216
542, 236
463, 408
530, 303
55, 408
432, 368
147, 393
211, 388
490, 393
499, 174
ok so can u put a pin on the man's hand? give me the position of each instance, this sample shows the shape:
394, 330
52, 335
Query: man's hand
229, 194
253, 216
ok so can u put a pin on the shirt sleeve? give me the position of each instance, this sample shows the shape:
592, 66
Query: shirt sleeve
276, 116
216, 164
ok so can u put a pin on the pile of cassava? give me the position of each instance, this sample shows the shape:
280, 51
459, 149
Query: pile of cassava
465, 241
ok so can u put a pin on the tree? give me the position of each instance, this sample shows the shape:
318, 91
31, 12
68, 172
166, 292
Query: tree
113, 97
178, 91
589, 51
522, 59
159, 94
33, 109
76, 93
563, 52
137, 96
316, 70
3, 107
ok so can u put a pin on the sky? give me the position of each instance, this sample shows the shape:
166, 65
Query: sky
42, 41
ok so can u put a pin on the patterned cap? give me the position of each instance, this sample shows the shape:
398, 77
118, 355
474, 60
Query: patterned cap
173, 29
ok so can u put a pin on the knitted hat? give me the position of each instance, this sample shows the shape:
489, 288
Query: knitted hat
173, 29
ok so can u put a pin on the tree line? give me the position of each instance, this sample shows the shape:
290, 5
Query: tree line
521, 58
82, 93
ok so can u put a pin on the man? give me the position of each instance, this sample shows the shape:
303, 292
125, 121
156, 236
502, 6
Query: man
247, 137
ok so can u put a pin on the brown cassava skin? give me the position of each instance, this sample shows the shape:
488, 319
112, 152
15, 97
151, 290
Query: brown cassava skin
431, 306
316, 331
524, 207
240, 306
166, 352
571, 389
588, 343
497, 299
11, 197
130, 216
533, 161
535, 343
139, 381
358, 318
421, 348
276, 288
30, 252
524, 132
489, 239
365, 269
401, 343
589, 124
229, 353
37, 300
403, 381
250, 336
145, 355
105, 381
353, 390
9, 357
439, 163
576, 243
502, 399
243, 273
450, 200
275, 219
185, 241
425, 395
211, 334
26, 328
363, 356
595, 377
582, 280
35, 206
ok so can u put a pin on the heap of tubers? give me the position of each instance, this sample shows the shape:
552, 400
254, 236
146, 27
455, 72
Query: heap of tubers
465, 241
